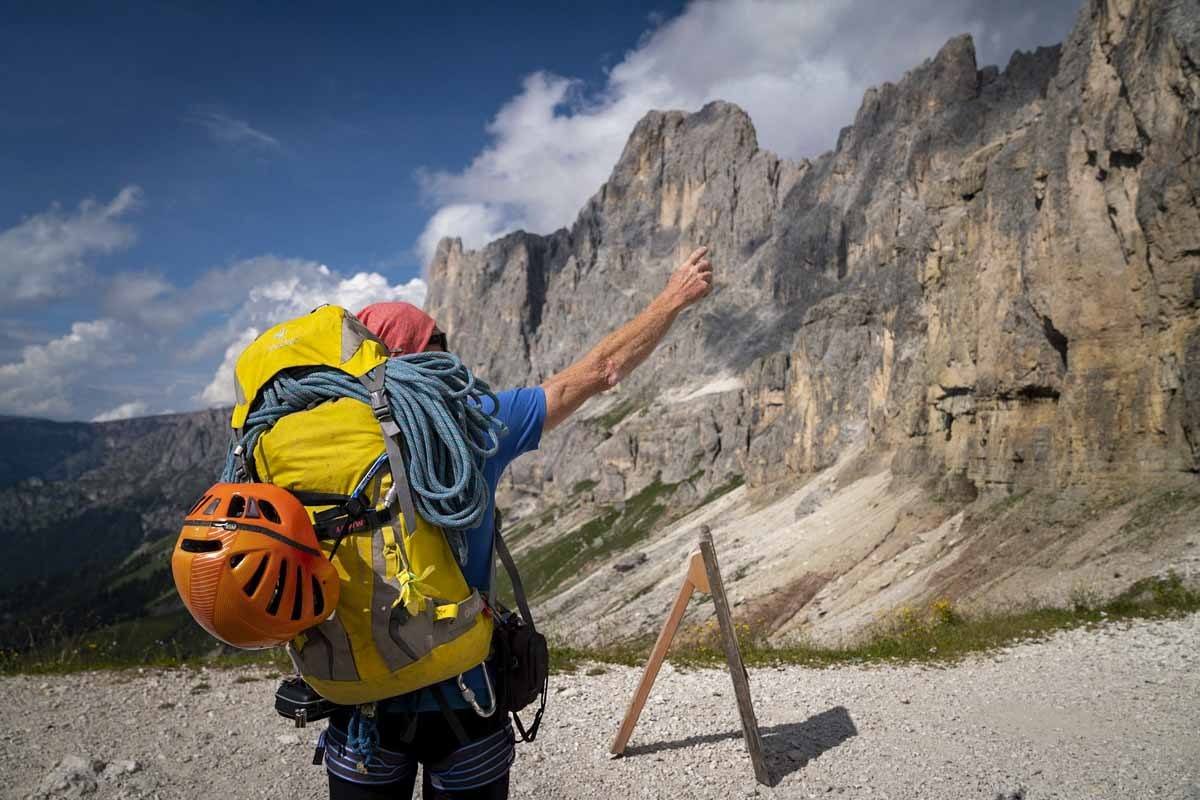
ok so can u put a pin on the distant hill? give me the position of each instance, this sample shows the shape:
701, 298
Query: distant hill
88, 514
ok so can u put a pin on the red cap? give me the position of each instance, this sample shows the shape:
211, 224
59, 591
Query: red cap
403, 327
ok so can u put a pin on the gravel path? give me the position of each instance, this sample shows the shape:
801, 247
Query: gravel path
1109, 713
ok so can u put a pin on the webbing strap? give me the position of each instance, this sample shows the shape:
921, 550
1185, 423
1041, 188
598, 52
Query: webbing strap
337, 522
452, 720
244, 463
510, 567
373, 381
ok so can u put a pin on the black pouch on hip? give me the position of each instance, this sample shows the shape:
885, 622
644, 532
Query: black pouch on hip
521, 660
520, 655
298, 701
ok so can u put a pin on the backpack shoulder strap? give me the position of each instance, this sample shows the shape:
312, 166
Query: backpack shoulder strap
373, 382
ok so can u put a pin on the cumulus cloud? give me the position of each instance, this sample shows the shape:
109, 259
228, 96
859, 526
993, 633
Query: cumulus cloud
230, 130
45, 256
151, 346
279, 289
55, 378
798, 68
474, 223
148, 299
136, 408
219, 391
144, 357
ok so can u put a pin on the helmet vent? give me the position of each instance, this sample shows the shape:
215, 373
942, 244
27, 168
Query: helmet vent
199, 503
211, 508
277, 595
200, 545
237, 506
236, 559
318, 597
252, 509
269, 511
298, 603
252, 584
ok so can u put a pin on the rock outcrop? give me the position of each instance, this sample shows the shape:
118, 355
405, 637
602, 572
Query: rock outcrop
991, 286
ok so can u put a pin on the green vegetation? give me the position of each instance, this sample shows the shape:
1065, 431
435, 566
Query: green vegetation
584, 486
545, 517
546, 567
1149, 514
77, 654
611, 418
146, 562
722, 490
939, 633
1005, 503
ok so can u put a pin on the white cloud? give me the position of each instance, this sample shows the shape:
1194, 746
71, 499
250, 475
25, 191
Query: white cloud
45, 257
230, 130
474, 223
55, 378
148, 299
219, 391
155, 348
798, 68
124, 411
280, 289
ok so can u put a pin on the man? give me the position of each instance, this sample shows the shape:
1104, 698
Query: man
414, 728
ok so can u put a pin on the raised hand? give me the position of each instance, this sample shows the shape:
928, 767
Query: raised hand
691, 281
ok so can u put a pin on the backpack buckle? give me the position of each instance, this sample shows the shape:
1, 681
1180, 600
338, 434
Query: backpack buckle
379, 406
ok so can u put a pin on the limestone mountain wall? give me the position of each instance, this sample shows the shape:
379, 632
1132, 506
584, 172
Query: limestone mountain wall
994, 276
991, 286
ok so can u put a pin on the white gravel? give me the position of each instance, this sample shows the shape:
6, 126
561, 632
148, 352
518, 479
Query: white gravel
1109, 713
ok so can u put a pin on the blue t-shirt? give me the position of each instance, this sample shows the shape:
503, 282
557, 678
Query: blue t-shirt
524, 412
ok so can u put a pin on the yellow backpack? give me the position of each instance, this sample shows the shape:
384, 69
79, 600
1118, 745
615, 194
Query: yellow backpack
406, 617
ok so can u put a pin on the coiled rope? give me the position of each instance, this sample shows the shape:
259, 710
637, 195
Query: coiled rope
437, 403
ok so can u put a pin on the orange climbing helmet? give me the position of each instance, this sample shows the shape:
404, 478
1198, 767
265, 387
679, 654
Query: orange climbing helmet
249, 567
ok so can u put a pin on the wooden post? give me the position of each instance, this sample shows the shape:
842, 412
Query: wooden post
733, 657
659, 653
703, 574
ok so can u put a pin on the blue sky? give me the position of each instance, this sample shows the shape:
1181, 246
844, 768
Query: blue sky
174, 178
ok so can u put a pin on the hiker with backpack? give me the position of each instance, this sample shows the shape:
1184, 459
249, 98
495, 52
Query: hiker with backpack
402, 667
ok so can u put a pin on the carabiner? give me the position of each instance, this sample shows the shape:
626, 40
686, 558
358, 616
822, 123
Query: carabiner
469, 694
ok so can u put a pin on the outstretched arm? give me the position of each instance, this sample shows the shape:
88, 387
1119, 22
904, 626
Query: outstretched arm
624, 349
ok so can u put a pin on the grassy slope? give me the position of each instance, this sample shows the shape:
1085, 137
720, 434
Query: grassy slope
937, 634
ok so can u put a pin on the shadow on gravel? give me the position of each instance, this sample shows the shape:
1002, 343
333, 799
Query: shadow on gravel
787, 747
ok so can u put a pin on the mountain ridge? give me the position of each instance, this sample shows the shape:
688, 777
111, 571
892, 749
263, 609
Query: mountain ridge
986, 291
958, 354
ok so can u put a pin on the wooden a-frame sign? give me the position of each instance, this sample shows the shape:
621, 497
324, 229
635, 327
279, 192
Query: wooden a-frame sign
703, 575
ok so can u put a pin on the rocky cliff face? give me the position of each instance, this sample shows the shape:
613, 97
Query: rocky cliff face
990, 287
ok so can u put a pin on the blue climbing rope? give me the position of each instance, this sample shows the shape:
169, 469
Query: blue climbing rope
362, 736
437, 403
